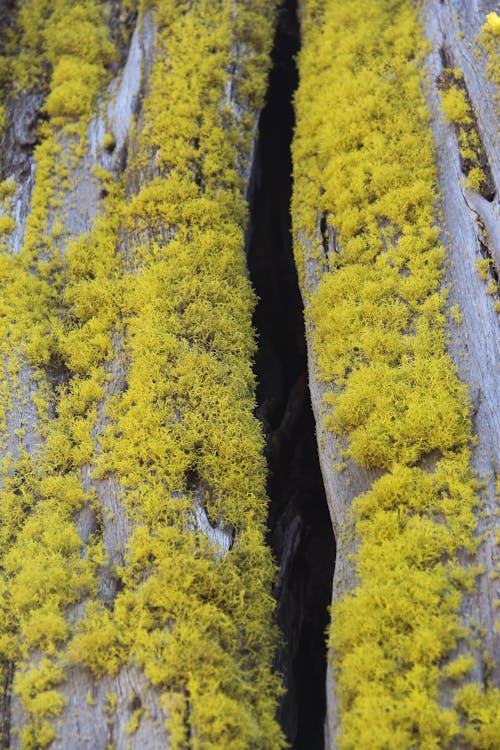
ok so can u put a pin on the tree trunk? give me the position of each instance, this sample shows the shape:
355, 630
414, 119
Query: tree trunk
136, 589
136, 592
414, 640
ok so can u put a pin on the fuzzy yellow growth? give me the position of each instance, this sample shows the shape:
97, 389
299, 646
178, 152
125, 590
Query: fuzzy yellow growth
43, 568
26, 44
197, 621
489, 40
4, 77
68, 39
182, 435
364, 171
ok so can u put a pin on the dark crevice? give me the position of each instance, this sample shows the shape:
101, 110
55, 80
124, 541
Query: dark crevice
5, 708
299, 524
18, 136
446, 57
486, 254
121, 21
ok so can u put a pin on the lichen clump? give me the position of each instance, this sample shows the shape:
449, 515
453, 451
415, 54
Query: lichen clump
369, 260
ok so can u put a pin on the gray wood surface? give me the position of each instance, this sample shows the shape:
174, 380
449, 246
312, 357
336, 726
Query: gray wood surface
469, 221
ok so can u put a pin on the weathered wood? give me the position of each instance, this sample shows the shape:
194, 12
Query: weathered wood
469, 222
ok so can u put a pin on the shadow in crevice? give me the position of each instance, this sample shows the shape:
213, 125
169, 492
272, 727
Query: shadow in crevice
300, 530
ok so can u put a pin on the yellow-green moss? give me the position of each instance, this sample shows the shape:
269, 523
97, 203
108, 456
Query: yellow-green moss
7, 224
70, 40
364, 172
45, 566
481, 710
456, 314
456, 107
492, 24
108, 142
483, 266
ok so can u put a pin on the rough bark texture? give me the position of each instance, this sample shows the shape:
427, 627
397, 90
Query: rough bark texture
470, 222
84, 721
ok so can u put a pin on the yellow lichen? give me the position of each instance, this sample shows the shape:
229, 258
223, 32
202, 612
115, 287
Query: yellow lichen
456, 314
492, 287
483, 266
492, 23
42, 551
458, 111
108, 142
481, 709
187, 309
456, 107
